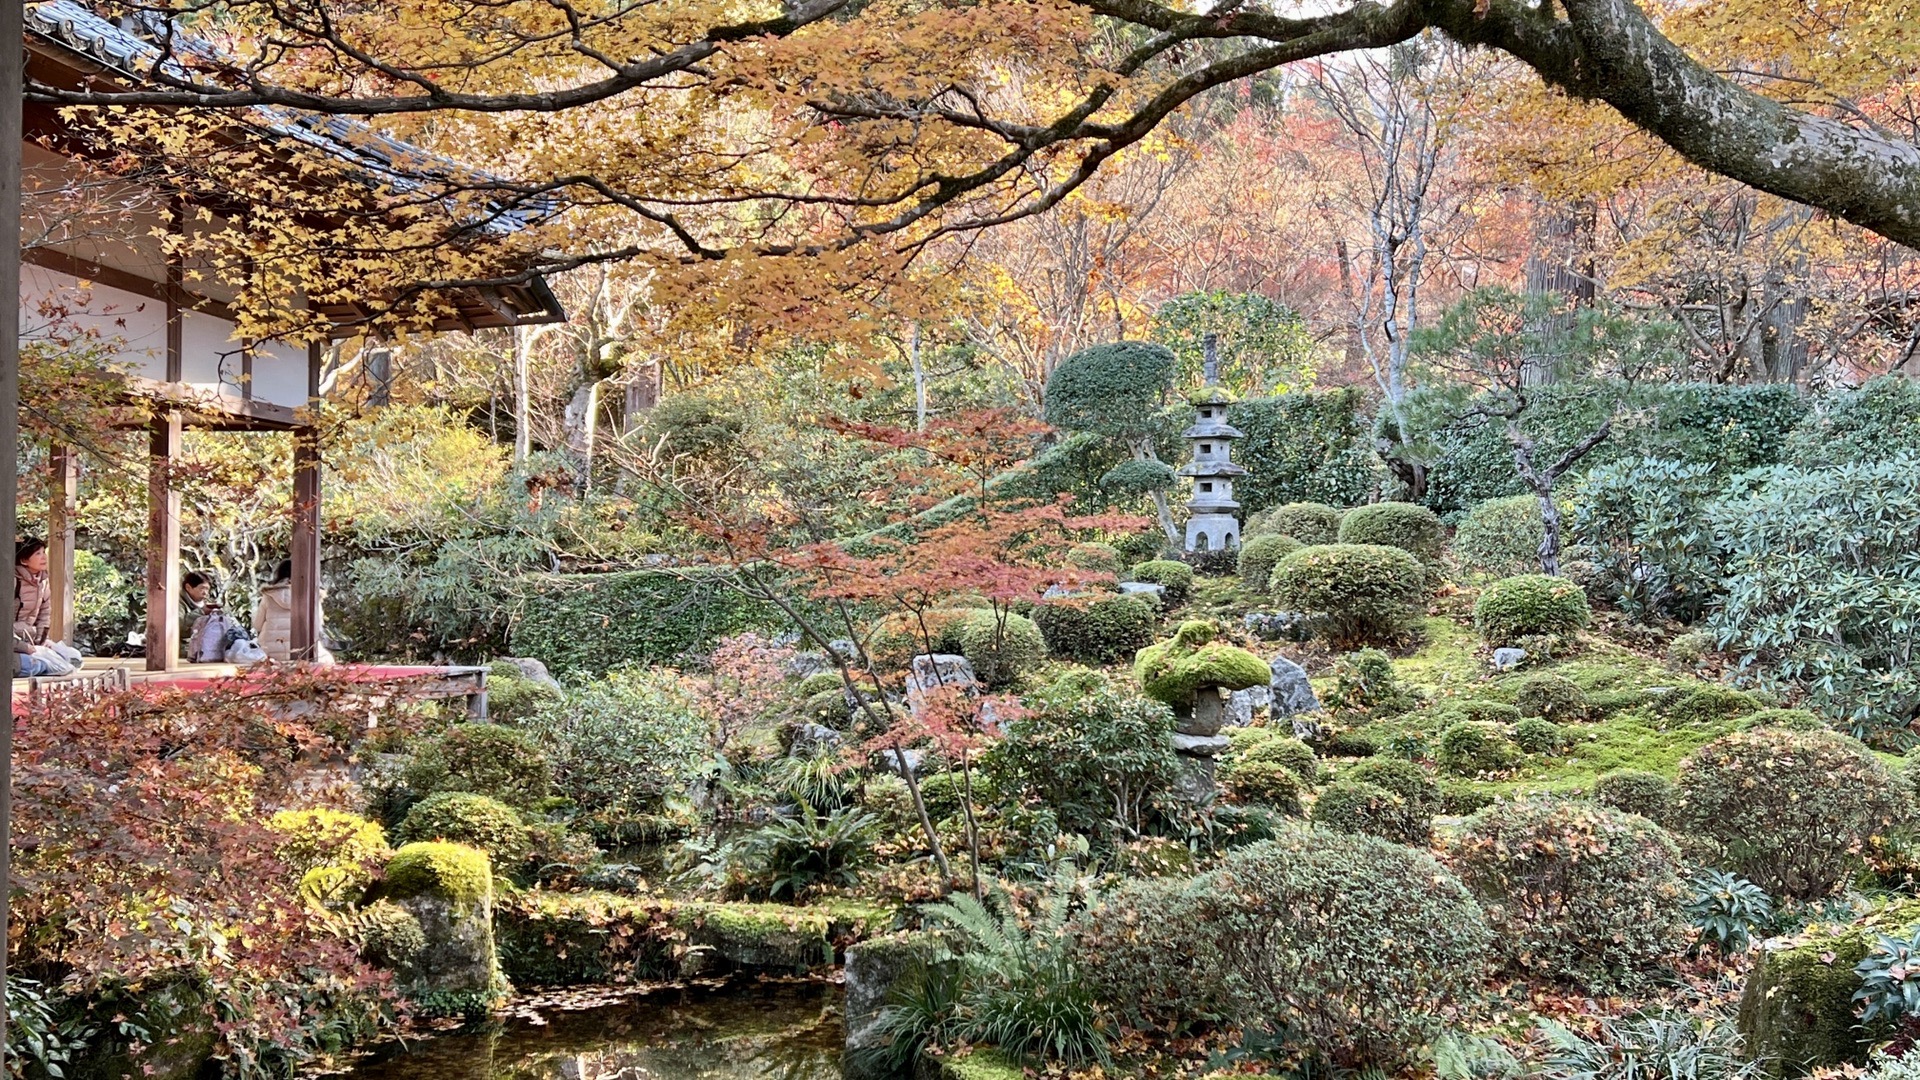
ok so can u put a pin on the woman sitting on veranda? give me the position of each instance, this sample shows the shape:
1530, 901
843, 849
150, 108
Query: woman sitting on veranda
273, 618
32, 605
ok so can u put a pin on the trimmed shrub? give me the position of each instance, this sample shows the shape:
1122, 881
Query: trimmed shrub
477, 821
1538, 736
1308, 522
1132, 479
1276, 746
1353, 594
1173, 670
1530, 605
1365, 683
619, 745
1403, 778
1822, 577
1262, 781
1298, 924
1099, 558
1793, 809
1640, 528
1407, 526
894, 640
1122, 940
1636, 791
512, 696
1501, 537
486, 759
1353, 806
1489, 712
1176, 576
1785, 719
1258, 556
1554, 697
1103, 631
1878, 420
594, 623
1113, 390
1089, 751
1689, 650
1707, 703
1000, 651
1305, 446
1574, 890
1473, 748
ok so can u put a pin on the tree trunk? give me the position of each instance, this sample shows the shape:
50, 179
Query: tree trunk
919, 380
522, 424
1143, 451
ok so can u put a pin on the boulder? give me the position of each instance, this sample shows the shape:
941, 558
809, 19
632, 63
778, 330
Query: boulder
803, 664
532, 670
1508, 659
1143, 588
810, 739
1797, 1009
873, 968
1242, 705
845, 648
449, 889
1291, 693
888, 760
933, 670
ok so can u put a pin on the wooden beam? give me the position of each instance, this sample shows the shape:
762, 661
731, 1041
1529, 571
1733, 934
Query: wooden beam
63, 504
163, 546
305, 629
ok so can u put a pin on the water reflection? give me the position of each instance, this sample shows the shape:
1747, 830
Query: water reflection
770, 1032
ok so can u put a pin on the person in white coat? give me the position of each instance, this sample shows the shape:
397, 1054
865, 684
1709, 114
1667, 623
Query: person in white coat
273, 618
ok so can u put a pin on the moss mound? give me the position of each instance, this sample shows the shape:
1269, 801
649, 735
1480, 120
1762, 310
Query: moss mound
431, 867
1173, 670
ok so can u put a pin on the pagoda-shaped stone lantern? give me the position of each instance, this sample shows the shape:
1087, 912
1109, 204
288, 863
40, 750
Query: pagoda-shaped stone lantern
1213, 523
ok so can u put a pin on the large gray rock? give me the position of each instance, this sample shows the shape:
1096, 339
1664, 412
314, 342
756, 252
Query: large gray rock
811, 739
1291, 693
873, 968
1508, 659
803, 664
1242, 705
449, 889
532, 670
933, 670
1143, 588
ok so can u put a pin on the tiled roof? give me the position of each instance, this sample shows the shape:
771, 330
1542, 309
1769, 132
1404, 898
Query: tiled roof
378, 158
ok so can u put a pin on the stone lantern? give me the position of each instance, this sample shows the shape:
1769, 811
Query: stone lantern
1213, 523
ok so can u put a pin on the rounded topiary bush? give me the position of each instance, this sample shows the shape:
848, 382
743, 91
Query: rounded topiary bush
1261, 781
464, 818
1258, 556
1554, 697
1000, 648
1354, 806
485, 759
1403, 778
1353, 594
323, 837
1103, 631
1491, 712
1501, 537
1538, 736
1793, 810
1531, 605
1636, 791
1307, 522
1407, 526
1299, 922
1136, 478
1099, 558
512, 696
1176, 576
1574, 890
1276, 746
1707, 703
1173, 670
1112, 390
1474, 748
896, 639
1787, 719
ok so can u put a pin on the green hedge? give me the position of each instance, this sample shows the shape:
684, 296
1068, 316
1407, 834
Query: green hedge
1733, 427
593, 623
1311, 447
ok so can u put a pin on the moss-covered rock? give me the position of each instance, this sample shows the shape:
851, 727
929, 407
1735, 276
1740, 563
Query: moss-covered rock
1173, 670
1797, 1010
772, 937
449, 889
873, 969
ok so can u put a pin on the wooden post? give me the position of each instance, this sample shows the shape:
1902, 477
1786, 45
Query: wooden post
12, 72
304, 637
63, 503
163, 546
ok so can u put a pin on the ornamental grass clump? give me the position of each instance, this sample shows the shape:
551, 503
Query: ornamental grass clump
1353, 594
1793, 810
1574, 890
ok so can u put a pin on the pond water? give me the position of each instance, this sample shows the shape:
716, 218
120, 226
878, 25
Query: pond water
758, 1031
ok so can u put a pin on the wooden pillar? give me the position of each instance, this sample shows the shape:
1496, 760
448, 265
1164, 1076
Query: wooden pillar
63, 503
163, 546
305, 630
